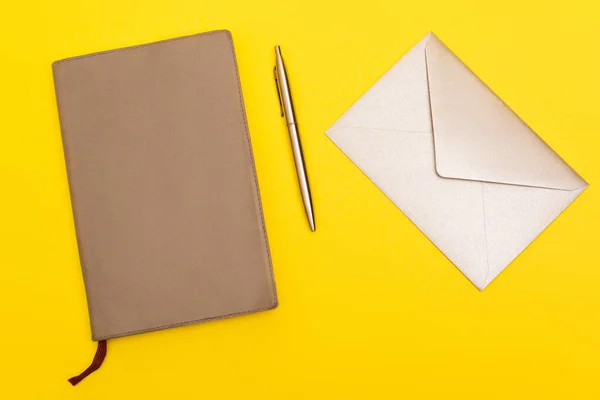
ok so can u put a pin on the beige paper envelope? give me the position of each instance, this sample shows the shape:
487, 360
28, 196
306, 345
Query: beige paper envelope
473, 177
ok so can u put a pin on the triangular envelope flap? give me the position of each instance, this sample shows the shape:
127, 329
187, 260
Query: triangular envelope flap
478, 137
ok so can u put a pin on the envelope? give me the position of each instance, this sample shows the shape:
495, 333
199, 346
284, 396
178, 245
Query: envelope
456, 160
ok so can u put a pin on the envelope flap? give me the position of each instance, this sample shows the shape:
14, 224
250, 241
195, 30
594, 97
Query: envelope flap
478, 137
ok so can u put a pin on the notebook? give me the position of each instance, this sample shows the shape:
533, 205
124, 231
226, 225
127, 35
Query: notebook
165, 198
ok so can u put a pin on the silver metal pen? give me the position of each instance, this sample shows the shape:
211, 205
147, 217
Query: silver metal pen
287, 111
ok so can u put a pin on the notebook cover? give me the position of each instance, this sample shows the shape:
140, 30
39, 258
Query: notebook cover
164, 192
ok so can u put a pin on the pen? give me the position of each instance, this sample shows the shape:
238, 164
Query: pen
287, 111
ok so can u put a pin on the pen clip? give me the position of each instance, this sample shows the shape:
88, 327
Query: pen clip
278, 90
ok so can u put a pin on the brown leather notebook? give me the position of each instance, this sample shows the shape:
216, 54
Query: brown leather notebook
164, 192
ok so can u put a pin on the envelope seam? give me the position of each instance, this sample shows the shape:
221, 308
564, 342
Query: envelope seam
487, 258
377, 129
429, 103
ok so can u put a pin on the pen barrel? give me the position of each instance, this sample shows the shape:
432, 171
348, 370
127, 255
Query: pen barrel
301, 172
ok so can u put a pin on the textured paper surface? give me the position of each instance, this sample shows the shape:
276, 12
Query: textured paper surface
475, 179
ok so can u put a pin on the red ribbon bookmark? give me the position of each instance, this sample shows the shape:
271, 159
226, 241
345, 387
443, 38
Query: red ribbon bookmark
96, 363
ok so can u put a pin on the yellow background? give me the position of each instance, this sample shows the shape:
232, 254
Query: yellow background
369, 309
